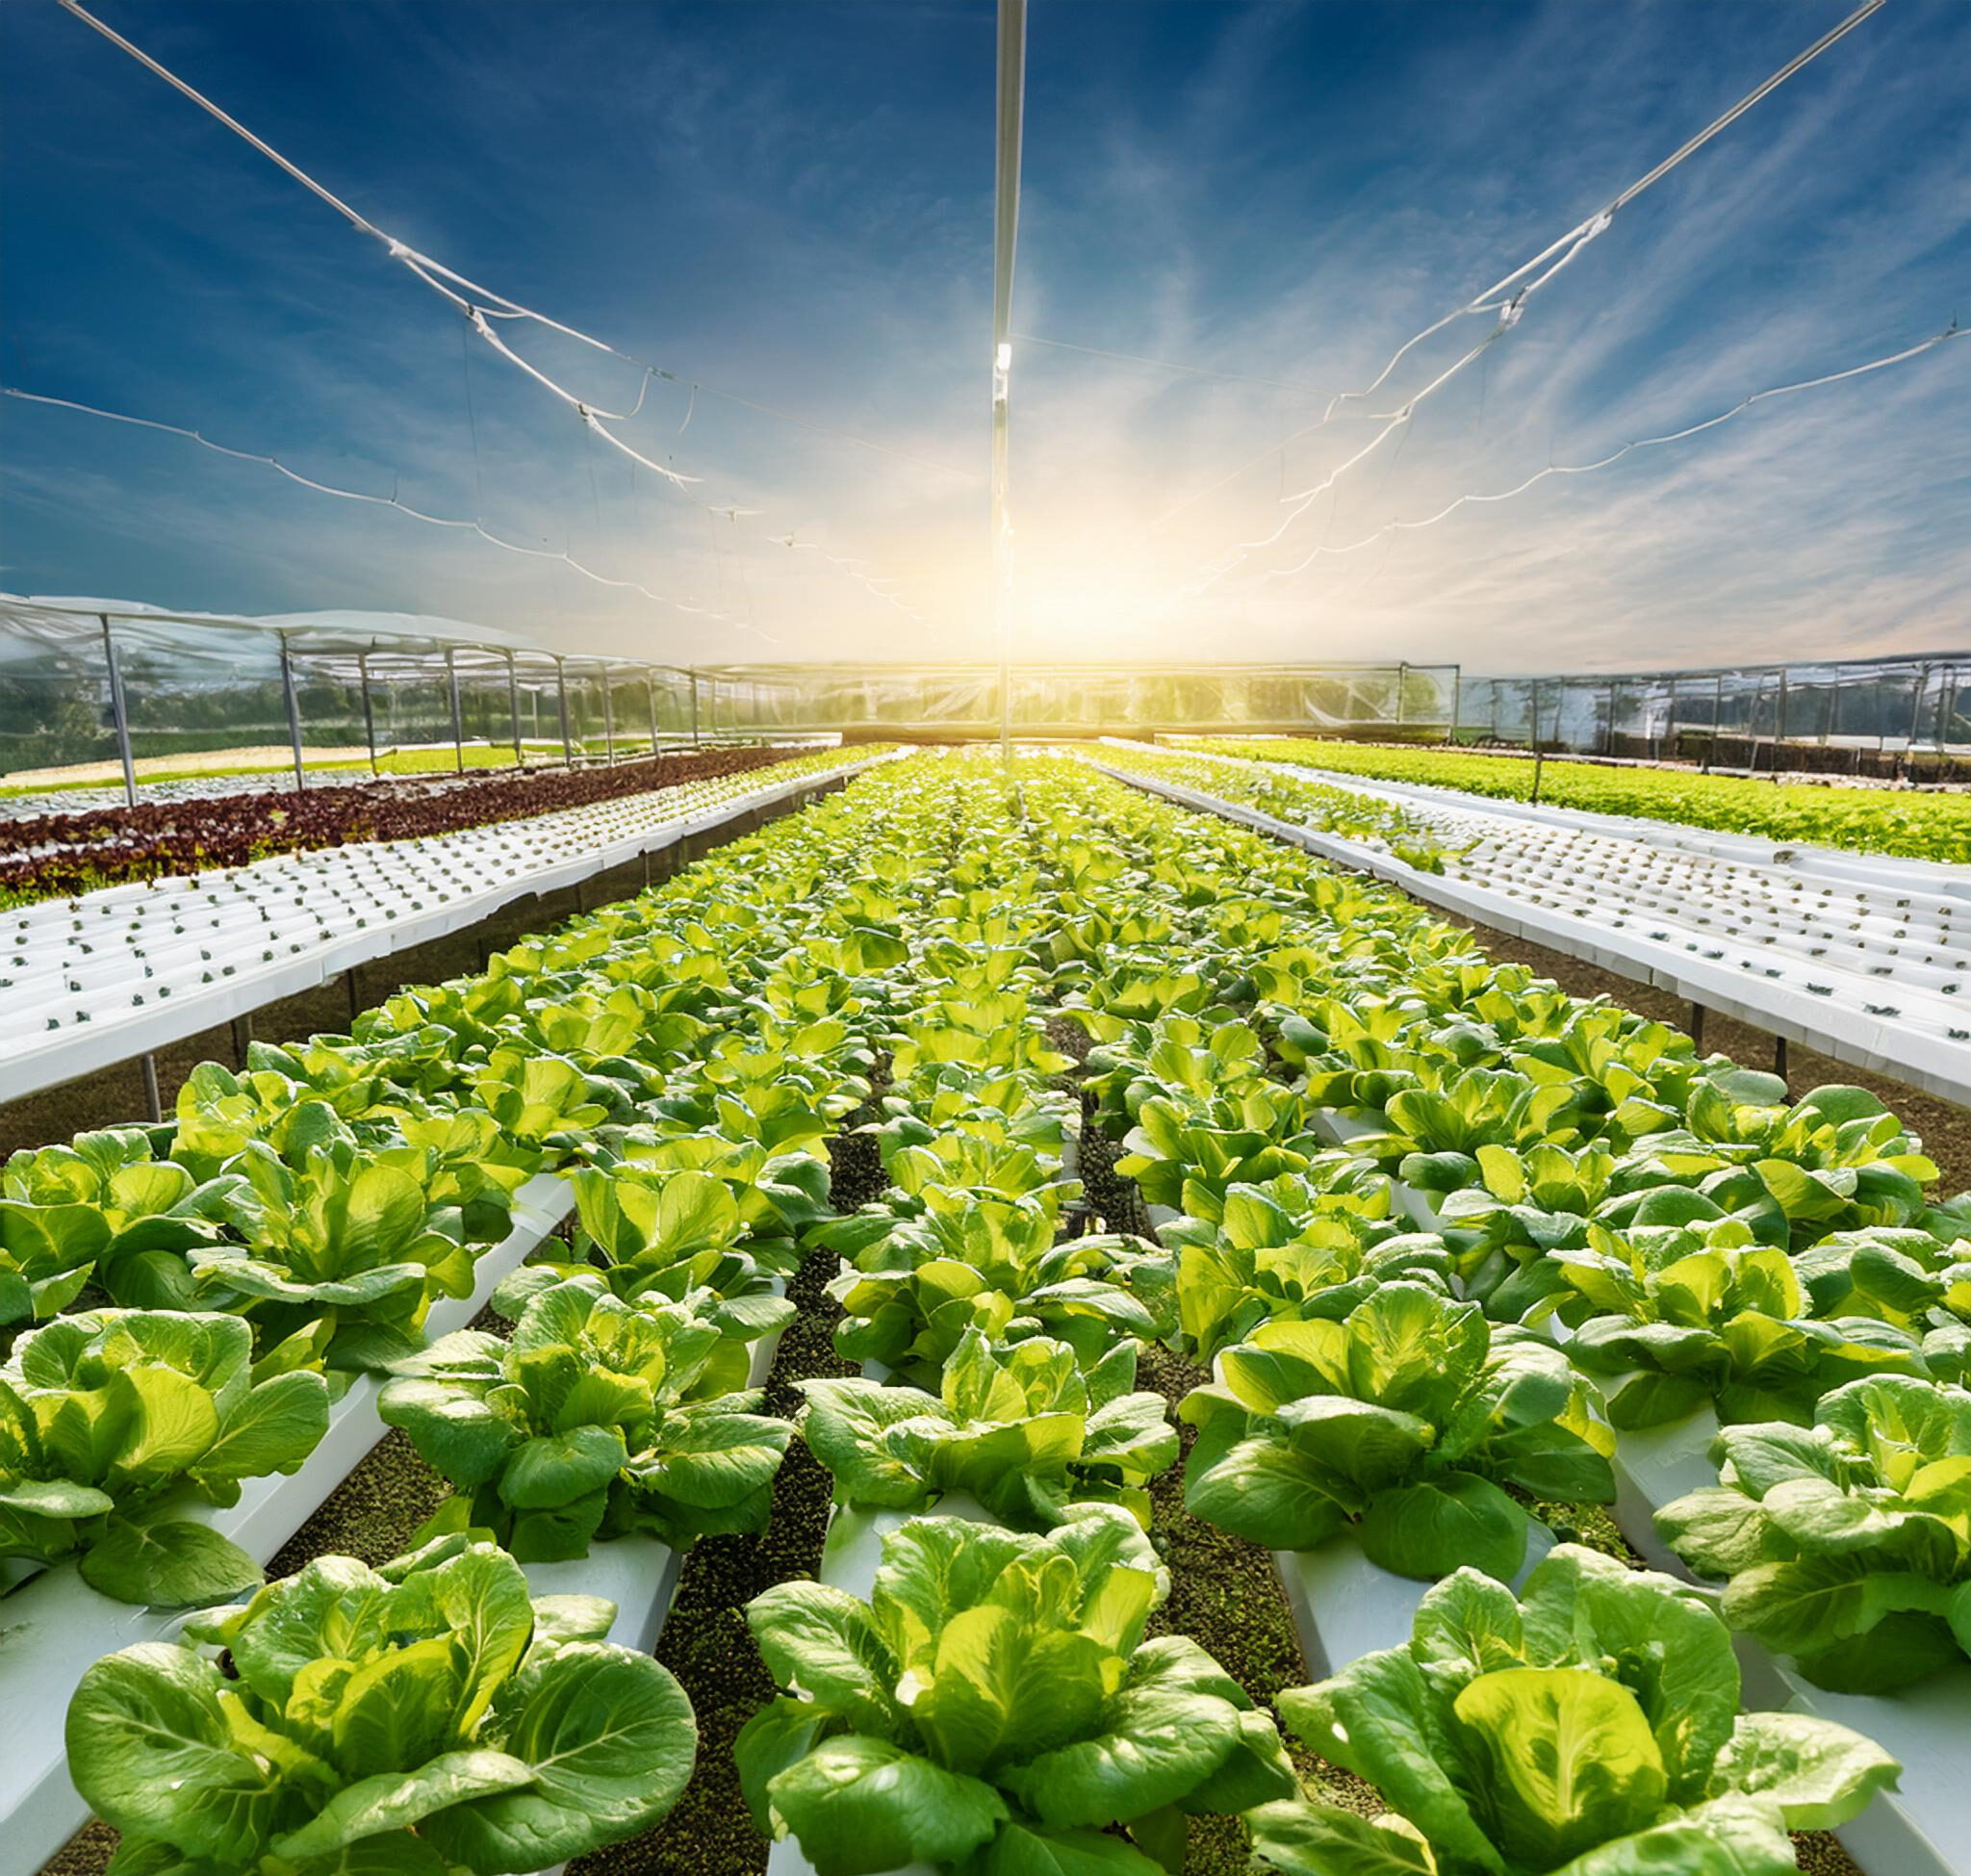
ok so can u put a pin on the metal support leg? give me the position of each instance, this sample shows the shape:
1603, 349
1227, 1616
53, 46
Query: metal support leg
1697, 1026
369, 709
353, 991
458, 724
242, 1038
1779, 1057
293, 705
152, 1105
120, 713
519, 754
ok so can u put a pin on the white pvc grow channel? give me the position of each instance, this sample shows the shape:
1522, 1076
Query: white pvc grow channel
86, 982
1876, 974
1344, 1607
55, 1626
848, 1560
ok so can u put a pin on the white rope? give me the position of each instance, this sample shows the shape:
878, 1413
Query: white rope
1949, 333
434, 274
1507, 297
385, 502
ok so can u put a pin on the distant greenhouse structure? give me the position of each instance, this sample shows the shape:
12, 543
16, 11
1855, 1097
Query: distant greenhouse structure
95, 682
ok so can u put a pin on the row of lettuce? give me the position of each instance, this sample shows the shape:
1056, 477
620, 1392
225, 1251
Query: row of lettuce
1367, 820
993, 1706
1915, 823
54, 855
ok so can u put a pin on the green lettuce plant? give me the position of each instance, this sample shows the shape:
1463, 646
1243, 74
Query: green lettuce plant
1301, 1245
114, 1421
998, 1267
994, 1707
1684, 1319
1590, 1728
1846, 1544
1020, 1427
1913, 1276
104, 1205
656, 1236
596, 1417
1403, 1422
342, 1238
426, 1719
1836, 1160
1178, 1146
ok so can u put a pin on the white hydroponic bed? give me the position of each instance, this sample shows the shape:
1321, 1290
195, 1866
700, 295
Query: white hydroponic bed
56, 1627
85, 983
1344, 1607
1863, 957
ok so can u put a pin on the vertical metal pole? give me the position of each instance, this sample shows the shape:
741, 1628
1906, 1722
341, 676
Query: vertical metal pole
1609, 735
153, 1106
1717, 720
650, 691
294, 713
1006, 221
119, 714
1537, 757
369, 707
609, 716
1457, 699
458, 725
1670, 720
1402, 672
561, 679
1779, 724
693, 673
1916, 718
519, 754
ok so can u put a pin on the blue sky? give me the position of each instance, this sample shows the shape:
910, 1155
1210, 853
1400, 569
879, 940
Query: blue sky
792, 203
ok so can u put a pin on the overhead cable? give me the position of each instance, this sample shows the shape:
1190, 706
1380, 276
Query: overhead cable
404, 508
484, 305
1945, 337
1507, 297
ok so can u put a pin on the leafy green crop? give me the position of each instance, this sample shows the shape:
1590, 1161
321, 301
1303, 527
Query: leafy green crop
1403, 1420
1871, 820
1589, 1728
1848, 1543
1303, 1244
343, 1240
111, 1421
1689, 1318
1020, 1427
594, 1417
994, 1707
104, 1206
910, 1299
426, 1719
654, 1237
